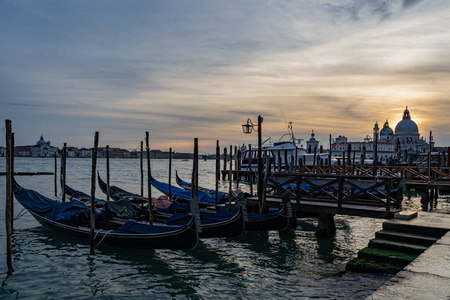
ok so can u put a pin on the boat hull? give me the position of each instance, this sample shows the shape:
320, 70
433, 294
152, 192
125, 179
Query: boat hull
183, 238
231, 227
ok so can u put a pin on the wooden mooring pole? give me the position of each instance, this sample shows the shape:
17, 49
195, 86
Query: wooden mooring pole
149, 180
235, 161
260, 162
375, 154
142, 169
196, 167
217, 171
230, 178
170, 174
430, 189
12, 181
225, 157
250, 157
250, 177
9, 194
63, 172
264, 186
56, 175
329, 158
108, 195
94, 167
238, 166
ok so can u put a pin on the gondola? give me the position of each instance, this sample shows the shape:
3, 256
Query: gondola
213, 224
182, 195
187, 186
73, 217
278, 220
117, 193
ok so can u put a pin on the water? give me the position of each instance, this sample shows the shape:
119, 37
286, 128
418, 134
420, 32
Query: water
258, 265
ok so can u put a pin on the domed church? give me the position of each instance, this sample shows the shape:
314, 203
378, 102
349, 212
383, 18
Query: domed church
406, 136
43, 149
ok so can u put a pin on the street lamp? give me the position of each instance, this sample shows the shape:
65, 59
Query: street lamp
247, 128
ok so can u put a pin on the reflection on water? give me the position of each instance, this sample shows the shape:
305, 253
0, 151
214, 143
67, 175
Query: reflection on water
292, 263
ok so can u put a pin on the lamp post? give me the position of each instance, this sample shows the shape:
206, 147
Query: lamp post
247, 129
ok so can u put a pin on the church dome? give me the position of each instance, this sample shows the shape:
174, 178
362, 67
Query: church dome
386, 129
406, 125
41, 141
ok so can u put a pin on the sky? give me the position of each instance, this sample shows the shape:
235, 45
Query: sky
199, 69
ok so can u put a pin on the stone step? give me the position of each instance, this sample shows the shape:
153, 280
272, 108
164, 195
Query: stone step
362, 265
415, 229
418, 239
386, 256
397, 246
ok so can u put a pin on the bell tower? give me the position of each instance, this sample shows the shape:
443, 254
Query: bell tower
376, 130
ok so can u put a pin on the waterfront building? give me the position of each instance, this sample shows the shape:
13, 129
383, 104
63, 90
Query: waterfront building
312, 143
407, 134
43, 149
72, 152
385, 150
404, 142
406, 138
2, 151
84, 152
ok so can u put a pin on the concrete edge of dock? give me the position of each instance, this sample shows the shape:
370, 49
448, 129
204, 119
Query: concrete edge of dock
428, 276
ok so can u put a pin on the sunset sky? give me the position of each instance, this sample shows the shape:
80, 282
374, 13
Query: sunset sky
198, 69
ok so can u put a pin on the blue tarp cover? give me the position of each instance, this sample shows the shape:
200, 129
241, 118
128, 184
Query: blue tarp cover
221, 215
222, 196
176, 191
46, 207
179, 219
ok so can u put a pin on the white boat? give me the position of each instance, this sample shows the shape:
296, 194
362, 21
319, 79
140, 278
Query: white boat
284, 152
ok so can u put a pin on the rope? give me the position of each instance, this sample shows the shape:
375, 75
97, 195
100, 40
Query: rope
20, 214
109, 231
95, 236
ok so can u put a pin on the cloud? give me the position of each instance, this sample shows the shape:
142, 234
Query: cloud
200, 69
26, 104
410, 3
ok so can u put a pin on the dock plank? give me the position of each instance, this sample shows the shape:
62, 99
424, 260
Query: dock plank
328, 207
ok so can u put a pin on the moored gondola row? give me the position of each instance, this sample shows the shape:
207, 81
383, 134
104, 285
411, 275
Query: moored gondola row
121, 221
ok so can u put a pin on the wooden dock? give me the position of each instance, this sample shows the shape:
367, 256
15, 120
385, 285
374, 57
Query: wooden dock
374, 197
413, 176
322, 207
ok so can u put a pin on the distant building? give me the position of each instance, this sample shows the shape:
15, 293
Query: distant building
385, 150
312, 144
2, 151
84, 152
72, 152
178, 155
407, 134
405, 141
22, 151
43, 149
